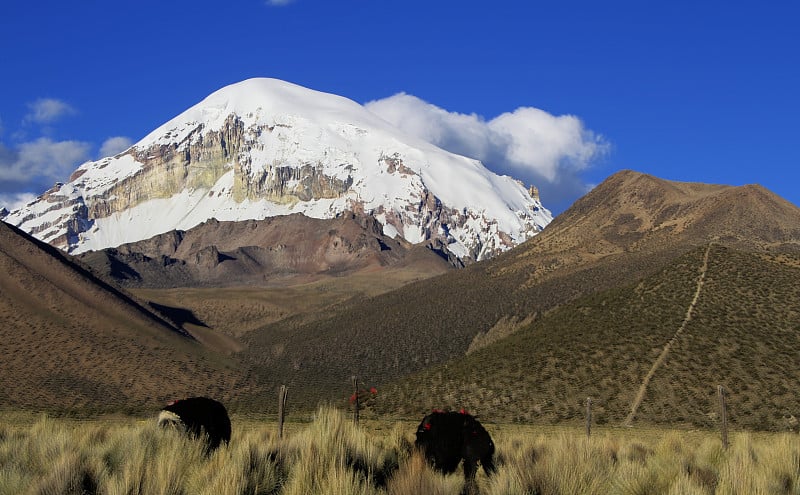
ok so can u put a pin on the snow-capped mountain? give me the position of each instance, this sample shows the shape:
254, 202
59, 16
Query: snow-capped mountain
265, 147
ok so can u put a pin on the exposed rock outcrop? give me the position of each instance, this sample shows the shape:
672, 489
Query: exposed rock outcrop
245, 153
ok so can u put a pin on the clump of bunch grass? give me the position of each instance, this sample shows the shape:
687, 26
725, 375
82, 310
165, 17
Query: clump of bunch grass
332, 452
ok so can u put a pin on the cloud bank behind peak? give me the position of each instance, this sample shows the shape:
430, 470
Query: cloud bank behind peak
530, 144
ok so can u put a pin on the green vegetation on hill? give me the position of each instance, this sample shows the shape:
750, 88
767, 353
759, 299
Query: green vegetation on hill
743, 334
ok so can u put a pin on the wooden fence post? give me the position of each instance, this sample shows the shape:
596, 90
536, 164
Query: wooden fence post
588, 417
281, 408
355, 399
724, 416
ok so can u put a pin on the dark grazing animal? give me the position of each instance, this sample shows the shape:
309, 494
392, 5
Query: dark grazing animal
200, 417
447, 438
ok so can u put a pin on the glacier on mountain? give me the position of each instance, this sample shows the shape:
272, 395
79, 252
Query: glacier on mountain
265, 147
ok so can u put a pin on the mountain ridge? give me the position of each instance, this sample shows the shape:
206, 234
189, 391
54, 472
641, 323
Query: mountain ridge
264, 147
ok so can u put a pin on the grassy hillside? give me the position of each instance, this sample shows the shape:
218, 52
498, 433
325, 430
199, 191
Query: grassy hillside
627, 229
70, 342
743, 333
237, 311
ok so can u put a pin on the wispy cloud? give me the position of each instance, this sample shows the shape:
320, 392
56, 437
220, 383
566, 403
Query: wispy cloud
279, 3
47, 111
28, 167
530, 144
40, 161
12, 201
114, 145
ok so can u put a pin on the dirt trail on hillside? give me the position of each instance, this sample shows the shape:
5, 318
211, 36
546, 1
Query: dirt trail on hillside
665, 351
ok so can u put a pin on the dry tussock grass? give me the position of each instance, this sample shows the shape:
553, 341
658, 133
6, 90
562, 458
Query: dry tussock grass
332, 456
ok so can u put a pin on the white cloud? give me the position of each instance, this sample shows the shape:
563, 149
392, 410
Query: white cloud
47, 110
530, 144
12, 201
42, 159
114, 145
545, 143
278, 3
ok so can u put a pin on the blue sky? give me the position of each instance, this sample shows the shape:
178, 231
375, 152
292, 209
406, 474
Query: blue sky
560, 94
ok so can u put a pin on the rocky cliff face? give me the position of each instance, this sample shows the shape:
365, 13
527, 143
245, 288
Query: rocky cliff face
201, 159
229, 160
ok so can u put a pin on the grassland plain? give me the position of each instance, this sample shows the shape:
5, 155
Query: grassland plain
330, 455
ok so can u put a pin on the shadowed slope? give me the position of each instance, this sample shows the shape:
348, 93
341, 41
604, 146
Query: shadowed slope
69, 340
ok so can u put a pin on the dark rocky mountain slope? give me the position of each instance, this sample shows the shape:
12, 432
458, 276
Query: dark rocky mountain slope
282, 250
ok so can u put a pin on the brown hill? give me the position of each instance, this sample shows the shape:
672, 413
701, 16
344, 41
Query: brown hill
70, 341
681, 287
314, 337
637, 213
629, 227
284, 250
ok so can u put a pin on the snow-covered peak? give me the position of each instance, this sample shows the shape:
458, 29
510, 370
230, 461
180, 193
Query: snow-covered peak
265, 147
261, 99
334, 118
